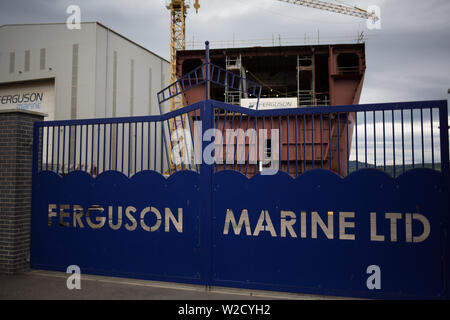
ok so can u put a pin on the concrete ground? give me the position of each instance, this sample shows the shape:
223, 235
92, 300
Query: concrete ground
47, 285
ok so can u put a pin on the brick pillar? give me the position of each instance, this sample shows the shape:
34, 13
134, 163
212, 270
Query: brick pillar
16, 153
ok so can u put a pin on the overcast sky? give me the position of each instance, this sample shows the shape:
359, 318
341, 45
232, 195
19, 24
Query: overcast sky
408, 59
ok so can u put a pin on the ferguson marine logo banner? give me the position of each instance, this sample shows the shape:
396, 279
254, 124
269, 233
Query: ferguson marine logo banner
29, 100
36, 95
309, 223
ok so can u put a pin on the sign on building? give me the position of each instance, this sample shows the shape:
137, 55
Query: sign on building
270, 103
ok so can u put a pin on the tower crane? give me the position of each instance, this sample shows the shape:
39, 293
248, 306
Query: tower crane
178, 12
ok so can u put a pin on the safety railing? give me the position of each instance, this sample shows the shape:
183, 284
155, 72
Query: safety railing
128, 145
392, 137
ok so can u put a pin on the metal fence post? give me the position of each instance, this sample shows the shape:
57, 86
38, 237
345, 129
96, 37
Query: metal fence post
445, 163
206, 174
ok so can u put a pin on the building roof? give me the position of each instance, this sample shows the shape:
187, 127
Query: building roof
88, 22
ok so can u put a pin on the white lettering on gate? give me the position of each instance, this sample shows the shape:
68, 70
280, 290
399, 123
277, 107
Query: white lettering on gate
62, 213
290, 226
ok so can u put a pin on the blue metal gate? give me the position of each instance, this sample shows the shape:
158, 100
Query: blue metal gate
357, 205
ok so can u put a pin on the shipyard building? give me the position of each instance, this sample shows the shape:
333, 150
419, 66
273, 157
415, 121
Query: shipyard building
92, 72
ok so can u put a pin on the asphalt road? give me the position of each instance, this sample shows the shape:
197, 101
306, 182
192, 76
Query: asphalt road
46, 285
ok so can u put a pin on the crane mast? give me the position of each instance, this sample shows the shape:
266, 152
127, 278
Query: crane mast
178, 11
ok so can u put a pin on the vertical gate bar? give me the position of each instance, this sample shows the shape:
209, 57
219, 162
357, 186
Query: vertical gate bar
92, 149
247, 162
193, 143
87, 143
356, 138
263, 153
339, 141
271, 142
185, 142
403, 142
178, 139
148, 145
162, 147
313, 158
154, 147
206, 209
142, 146
199, 119
444, 140
81, 146
110, 145
123, 147
330, 156
421, 133
129, 148
321, 141
304, 144
57, 152
393, 140
365, 138
444, 145
296, 147
384, 144
348, 146
432, 138
279, 143
47, 160
288, 144
75, 149
245, 146
135, 135
255, 141
104, 146
69, 147
64, 149
53, 148
98, 149
223, 138
216, 126
237, 140
412, 137
117, 146
170, 139
374, 141
165, 147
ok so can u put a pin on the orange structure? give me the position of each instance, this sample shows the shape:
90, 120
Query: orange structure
317, 75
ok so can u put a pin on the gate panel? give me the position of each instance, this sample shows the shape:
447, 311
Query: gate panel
315, 228
106, 200
73, 235
378, 229
314, 234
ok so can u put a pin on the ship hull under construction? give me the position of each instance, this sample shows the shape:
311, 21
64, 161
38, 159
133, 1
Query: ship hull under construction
321, 75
